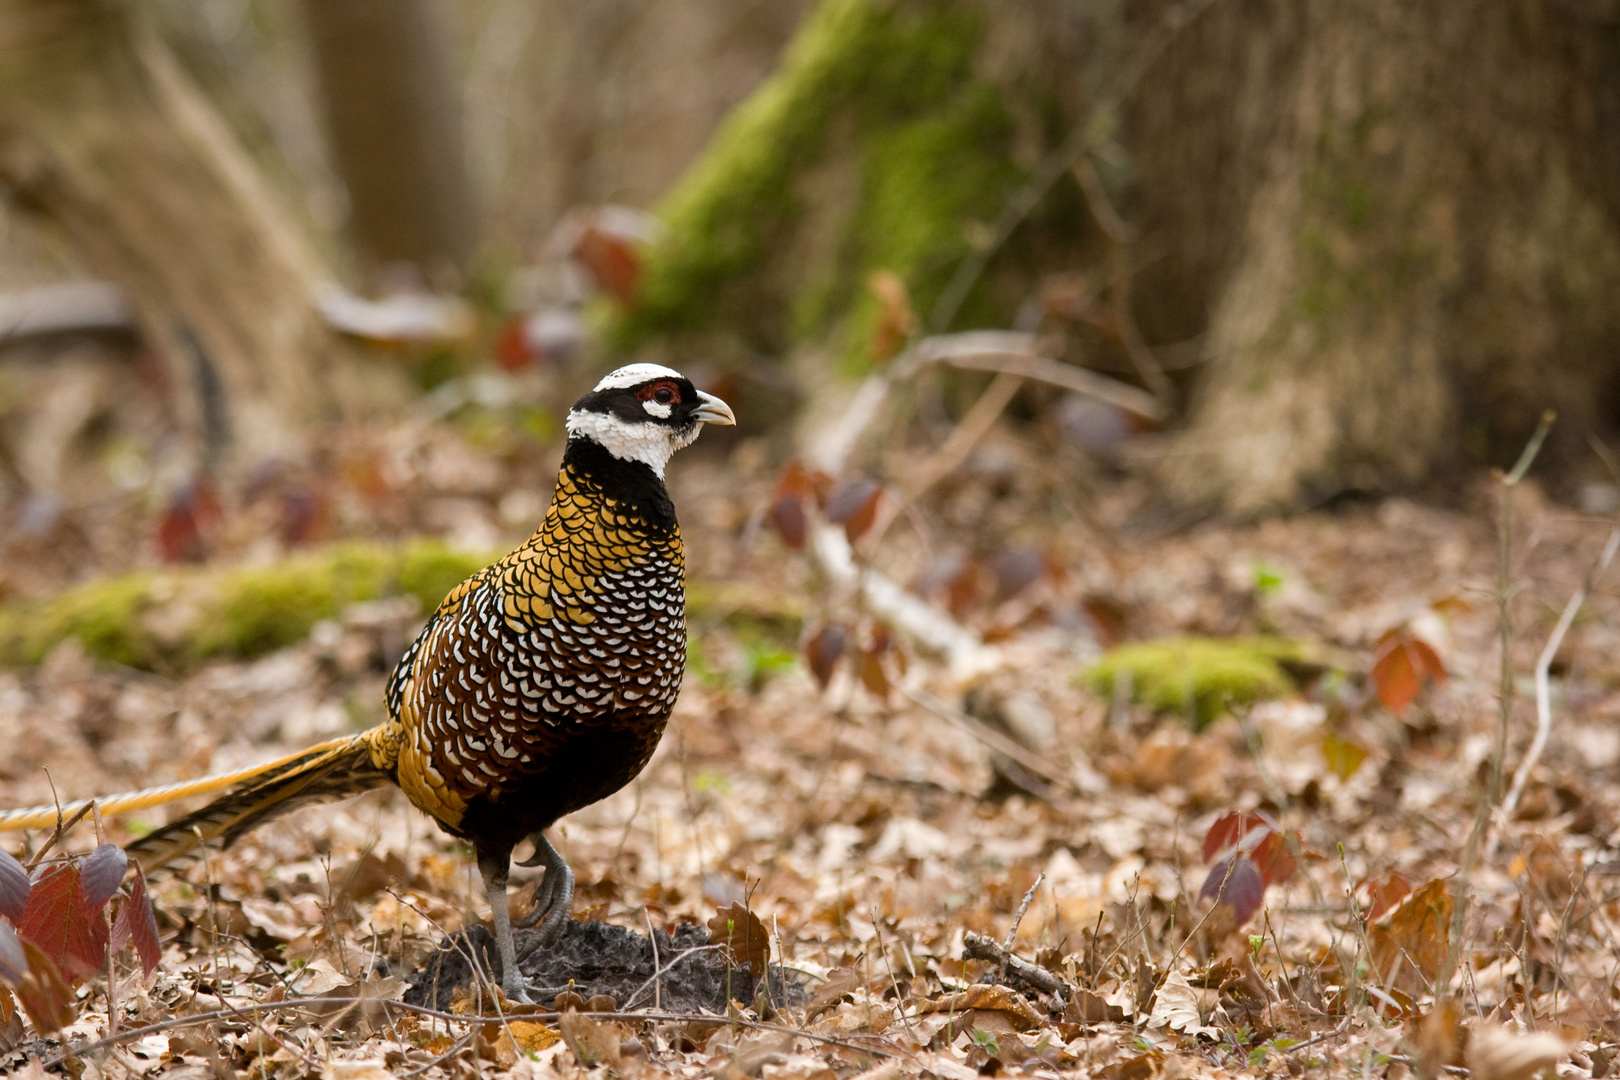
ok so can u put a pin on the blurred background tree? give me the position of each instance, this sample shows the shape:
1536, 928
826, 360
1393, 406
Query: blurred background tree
1351, 244
1368, 240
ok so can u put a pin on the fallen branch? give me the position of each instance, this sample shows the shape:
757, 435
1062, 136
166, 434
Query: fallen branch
925, 624
67, 307
1008, 351
979, 947
1544, 680
1019, 353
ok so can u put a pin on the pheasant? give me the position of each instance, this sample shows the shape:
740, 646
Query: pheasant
540, 685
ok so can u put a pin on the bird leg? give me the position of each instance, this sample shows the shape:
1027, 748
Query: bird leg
553, 897
493, 868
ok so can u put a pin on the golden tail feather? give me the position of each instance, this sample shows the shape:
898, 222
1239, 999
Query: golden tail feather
46, 817
330, 770
334, 770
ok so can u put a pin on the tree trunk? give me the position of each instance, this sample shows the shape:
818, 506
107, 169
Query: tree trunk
1410, 247
393, 116
577, 104
103, 132
1390, 231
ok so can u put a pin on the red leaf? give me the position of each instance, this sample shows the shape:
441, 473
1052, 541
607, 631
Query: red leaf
854, 504
512, 351
1016, 569
137, 925
14, 887
1401, 665
1107, 618
13, 961
1239, 884
824, 651
1384, 895
1242, 831
804, 483
189, 522
1273, 859
65, 929
100, 875
611, 259
873, 675
794, 490
43, 993
789, 520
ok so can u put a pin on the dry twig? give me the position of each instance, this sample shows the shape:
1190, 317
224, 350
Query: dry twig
1476, 835
1544, 680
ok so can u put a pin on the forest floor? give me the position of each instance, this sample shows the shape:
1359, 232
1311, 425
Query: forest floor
872, 829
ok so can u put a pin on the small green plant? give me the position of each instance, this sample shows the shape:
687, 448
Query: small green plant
709, 781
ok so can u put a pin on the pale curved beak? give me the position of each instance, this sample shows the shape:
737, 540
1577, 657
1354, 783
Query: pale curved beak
713, 411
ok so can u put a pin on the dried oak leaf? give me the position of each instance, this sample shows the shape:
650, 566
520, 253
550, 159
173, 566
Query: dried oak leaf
1007, 1003
841, 982
1495, 1053
1177, 1005
1412, 936
1384, 893
1153, 1065
743, 936
594, 1042
1089, 1008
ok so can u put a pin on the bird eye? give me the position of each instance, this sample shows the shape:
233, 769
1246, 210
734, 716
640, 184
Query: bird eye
663, 393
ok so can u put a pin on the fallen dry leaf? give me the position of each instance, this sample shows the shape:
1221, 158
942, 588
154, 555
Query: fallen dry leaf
1495, 1053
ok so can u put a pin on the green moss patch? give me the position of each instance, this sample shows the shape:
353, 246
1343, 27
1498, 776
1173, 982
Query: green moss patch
1198, 678
886, 85
175, 619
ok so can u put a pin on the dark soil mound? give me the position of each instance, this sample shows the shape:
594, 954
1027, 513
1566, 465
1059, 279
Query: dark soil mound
603, 959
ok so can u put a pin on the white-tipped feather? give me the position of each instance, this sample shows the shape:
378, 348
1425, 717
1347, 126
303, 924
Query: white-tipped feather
634, 375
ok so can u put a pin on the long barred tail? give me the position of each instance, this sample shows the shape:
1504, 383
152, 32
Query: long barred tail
331, 770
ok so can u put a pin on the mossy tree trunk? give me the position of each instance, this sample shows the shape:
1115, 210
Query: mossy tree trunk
888, 138
393, 117
101, 131
1392, 230
1410, 247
